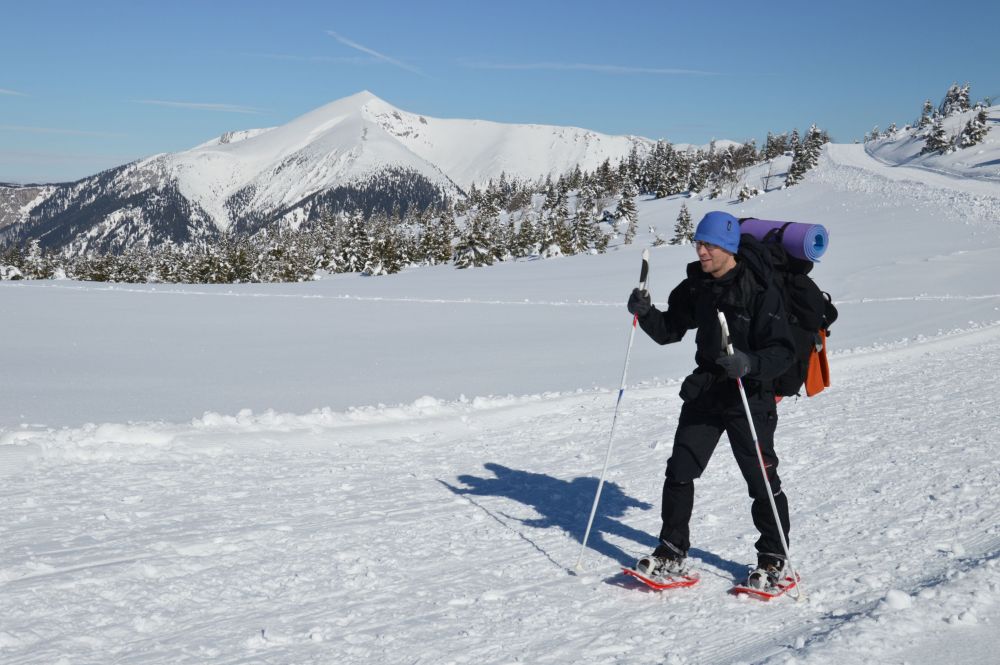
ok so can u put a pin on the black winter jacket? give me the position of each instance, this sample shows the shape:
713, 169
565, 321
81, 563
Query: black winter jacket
758, 326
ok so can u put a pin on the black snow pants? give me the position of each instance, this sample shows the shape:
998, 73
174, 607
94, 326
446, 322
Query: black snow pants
698, 433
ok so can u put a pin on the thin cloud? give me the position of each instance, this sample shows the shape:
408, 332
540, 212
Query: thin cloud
375, 54
321, 59
200, 106
56, 130
12, 93
590, 67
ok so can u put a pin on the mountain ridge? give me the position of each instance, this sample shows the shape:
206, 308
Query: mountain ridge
320, 162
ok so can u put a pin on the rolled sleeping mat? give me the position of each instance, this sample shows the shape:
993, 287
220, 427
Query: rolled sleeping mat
801, 240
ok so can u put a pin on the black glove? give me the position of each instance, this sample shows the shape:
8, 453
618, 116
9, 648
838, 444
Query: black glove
639, 303
736, 365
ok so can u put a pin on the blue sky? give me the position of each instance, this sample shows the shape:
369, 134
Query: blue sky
85, 86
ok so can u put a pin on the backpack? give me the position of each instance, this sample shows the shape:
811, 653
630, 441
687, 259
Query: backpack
810, 312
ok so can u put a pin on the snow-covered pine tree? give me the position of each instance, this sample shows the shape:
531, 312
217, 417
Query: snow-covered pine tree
12, 263
798, 168
474, 247
561, 229
956, 100
805, 156
355, 248
444, 235
938, 141
716, 191
927, 115
814, 146
583, 231
698, 175
606, 178
726, 176
974, 131
526, 238
684, 229
747, 192
628, 213
657, 239
793, 140
548, 246
388, 255
326, 240
37, 263
775, 146
963, 98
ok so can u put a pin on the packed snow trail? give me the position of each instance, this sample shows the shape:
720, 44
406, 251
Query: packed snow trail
446, 532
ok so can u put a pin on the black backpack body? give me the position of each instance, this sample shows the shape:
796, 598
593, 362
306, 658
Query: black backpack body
809, 309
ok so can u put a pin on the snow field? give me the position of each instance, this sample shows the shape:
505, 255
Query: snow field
456, 526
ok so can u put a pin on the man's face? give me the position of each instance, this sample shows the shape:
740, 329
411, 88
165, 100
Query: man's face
714, 260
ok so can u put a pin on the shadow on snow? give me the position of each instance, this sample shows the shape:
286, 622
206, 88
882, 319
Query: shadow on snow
563, 505
566, 505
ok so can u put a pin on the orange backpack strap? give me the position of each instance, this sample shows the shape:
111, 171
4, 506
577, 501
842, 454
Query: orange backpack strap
818, 374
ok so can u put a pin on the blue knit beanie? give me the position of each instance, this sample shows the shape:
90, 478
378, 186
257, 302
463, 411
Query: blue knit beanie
721, 229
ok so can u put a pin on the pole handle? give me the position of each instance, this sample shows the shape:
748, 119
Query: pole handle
727, 341
644, 273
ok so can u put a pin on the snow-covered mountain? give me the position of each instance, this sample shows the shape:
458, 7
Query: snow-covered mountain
359, 150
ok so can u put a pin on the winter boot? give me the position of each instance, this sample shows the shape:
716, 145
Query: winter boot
767, 574
665, 561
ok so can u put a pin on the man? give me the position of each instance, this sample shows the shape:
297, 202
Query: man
735, 281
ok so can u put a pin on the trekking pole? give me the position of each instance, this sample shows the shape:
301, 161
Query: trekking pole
760, 459
643, 275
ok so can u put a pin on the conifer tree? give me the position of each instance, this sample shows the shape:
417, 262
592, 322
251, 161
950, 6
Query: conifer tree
798, 168
561, 228
926, 116
585, 231
975, 130
387, 254
725, 175
355, 248
548, 244
747, 192
775, 146
938, 141
526, 238
698, 176
628, 213
956, 100
813, 146
684, 228
475, 247
38, 264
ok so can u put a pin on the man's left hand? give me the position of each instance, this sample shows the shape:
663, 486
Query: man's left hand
736, 365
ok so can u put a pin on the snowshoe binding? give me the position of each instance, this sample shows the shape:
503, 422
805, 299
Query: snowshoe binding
663, 569
767, 580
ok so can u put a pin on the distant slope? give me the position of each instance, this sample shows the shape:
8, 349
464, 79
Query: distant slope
980, 162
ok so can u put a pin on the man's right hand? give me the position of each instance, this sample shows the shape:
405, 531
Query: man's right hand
639, 303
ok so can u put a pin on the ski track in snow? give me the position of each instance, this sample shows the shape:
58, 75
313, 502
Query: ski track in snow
442, 301
278, 542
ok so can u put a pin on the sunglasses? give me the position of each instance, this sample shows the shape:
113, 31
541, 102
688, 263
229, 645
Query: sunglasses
707, 246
